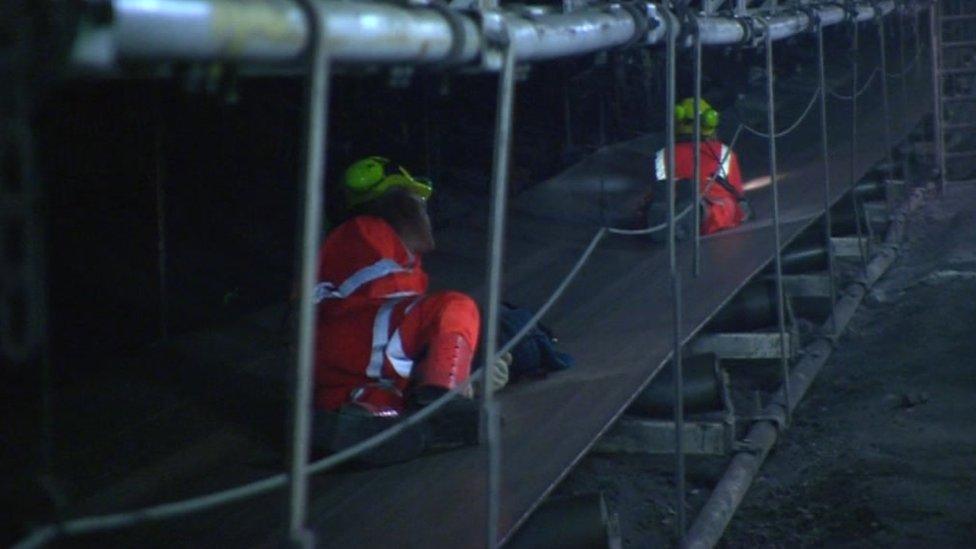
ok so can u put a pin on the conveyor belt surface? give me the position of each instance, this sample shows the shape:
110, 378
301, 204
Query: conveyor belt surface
615, 320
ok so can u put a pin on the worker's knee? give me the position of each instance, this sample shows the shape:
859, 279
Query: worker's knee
455, 312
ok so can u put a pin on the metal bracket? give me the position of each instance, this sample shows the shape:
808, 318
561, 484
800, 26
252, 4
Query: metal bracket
752, 32
813, 17
642, 20
494, 32
456, 22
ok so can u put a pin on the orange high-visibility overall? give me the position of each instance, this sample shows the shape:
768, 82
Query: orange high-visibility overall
722, 210
378, 332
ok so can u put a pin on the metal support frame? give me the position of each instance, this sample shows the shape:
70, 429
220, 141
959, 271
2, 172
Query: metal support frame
774, 181
497, 34
809, 285
885, 106
825, 152
747, 345
633, 435
902, 46
697, 169
672, 29
159, 176
847, 247
855, 203
935, 31
312, 204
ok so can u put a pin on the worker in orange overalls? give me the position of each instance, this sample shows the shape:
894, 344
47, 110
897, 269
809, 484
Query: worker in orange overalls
723, 200
385, 346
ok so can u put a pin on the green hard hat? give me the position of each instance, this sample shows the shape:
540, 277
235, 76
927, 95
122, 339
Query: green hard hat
684, 114
369, 178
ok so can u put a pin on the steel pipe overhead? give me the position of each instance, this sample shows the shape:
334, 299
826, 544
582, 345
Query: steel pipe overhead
724, 30
274, 31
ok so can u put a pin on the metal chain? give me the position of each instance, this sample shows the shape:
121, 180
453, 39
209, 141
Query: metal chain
793, 126
860, 92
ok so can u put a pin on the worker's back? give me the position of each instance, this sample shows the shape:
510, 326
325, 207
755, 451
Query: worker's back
720, 181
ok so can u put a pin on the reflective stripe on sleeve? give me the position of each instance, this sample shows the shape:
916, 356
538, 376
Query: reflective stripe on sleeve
726, 166
660, 169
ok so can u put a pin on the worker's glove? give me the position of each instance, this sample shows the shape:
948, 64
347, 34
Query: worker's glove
497, 376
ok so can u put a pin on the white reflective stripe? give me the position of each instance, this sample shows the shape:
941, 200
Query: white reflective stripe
726, 166
401, 363
381, 336
383, 267
660, 169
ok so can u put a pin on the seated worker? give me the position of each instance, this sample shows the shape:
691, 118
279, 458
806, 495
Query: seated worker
723, 200
385, 346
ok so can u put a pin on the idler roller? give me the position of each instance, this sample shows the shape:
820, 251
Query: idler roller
573, 522
702, 389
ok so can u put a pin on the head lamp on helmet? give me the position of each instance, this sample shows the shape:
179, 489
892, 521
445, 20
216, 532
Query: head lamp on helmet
370, 178
684, 115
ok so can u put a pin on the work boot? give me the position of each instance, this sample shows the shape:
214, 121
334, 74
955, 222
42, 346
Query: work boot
356, 422
455, 424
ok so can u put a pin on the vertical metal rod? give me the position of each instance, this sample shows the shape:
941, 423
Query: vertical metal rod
567, 121
936, 60
853, 164
886, 110
697, 173
828, 218
312, 204
160, 176
496, 232
902, 46
774, 180
918, 42
679, 408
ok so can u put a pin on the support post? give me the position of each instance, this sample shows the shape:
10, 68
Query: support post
497, 33
679, 418
312, 204
774, 181
855, 203
160, 176
825, 152
885, 105
902, 62
935, 29
697, 173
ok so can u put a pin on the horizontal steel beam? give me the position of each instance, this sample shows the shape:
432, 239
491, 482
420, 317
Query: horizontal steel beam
632, 435
275, 31
848, 247
807, 285
743, 346
959, 44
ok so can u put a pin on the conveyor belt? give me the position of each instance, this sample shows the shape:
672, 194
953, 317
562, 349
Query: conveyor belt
615, 320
